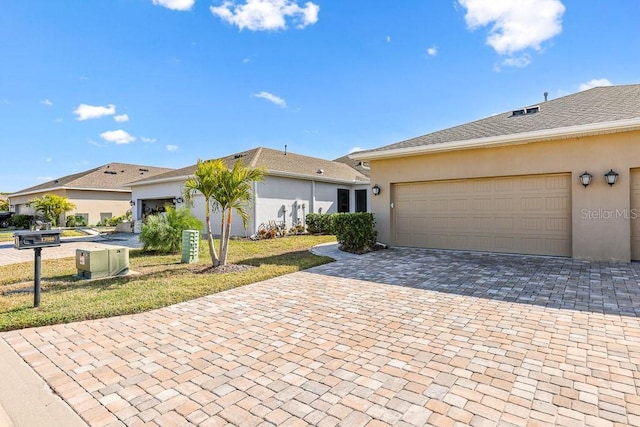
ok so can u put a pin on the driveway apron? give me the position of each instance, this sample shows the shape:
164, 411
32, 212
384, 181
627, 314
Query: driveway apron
400, 337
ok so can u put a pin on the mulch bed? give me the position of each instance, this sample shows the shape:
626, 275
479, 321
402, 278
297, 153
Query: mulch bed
229, 268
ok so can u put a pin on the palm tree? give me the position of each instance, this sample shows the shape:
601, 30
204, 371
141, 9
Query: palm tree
235, 193
205, 182
52, 206
225, 190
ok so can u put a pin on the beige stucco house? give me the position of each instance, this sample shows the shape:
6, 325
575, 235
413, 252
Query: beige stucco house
98, 193
294, 185
514, 182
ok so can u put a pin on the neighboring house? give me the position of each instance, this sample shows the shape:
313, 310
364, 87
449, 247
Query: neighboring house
294, 185
513, 182
98, 193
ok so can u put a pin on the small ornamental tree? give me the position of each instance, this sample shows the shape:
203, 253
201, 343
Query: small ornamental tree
51, 206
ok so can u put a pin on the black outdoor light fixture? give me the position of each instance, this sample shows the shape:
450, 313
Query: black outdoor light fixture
611, 177
178, 199
132, 203
375, 190
585, 178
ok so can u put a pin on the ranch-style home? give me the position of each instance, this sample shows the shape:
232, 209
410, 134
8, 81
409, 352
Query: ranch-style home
294, 185
98, 193
560, 177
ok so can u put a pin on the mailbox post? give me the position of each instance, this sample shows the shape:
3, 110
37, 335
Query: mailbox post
36, 240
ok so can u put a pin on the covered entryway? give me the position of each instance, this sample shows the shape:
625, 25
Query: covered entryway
528, 214
635, 214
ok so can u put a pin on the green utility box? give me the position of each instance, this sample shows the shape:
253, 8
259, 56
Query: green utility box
102, 262
190, 246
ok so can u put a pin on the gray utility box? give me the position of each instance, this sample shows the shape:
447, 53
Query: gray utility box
102, 262
36, 239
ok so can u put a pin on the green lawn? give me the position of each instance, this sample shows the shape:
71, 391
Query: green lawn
159, 280
7, 235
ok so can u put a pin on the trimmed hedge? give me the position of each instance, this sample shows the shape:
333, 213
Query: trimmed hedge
355, 232
320, 223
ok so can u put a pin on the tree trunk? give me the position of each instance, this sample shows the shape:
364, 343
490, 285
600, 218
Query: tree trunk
227, 237
222, 234
212, 249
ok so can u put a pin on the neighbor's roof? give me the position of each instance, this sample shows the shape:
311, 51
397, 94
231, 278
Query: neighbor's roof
359, 165
109, 177
597, 110
277, 163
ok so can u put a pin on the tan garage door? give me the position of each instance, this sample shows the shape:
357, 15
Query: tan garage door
635, 212
519, 214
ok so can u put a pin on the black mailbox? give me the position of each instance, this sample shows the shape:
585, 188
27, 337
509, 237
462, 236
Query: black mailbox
36, 239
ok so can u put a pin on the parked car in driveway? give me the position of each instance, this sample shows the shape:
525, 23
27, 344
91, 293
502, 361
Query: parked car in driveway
4, 218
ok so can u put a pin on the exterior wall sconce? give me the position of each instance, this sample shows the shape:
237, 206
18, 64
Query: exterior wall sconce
178, 200
132, 203
585, 179
375, 190
611, 177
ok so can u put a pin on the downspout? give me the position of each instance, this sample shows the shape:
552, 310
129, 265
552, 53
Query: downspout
312, 202
254, 217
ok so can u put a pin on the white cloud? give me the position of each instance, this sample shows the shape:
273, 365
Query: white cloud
515, 25
83, 77
172, 148
46, 102
58, 120
388, 39
516, 61
121, 118
260, 15
246, 60
147, 140
118, 136
272, 98
595, 83
175, 4
48, 160
44, 178
85, 112
432, 51
354, 149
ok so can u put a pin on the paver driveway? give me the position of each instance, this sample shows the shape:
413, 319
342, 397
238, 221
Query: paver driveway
471, 339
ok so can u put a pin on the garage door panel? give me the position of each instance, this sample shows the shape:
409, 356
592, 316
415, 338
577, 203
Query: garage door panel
522, 214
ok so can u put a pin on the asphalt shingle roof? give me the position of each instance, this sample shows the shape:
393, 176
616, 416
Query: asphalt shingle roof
112, 176
597, 105
277, 161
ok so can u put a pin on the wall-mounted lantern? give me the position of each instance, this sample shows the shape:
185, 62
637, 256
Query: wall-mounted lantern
375, 190
585, 178
177, 200
132, 203
611, 177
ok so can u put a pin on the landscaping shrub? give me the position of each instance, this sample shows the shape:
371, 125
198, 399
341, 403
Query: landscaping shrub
21, 221
320, 223
163, 232
76, 221
355, 232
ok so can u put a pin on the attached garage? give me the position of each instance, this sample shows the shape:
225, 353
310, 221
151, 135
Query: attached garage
517, 214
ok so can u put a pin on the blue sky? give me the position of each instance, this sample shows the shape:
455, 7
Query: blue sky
165, 82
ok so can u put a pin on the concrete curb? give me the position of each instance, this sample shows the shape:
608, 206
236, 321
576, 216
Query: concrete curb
26, 399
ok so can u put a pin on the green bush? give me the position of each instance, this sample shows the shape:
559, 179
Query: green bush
320, 223
355, 232
163, 232
21, 221
76, 221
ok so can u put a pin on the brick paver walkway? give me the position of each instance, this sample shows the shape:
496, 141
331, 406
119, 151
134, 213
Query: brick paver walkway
314, 349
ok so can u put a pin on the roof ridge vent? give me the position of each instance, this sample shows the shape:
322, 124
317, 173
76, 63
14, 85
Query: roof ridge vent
525, 111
